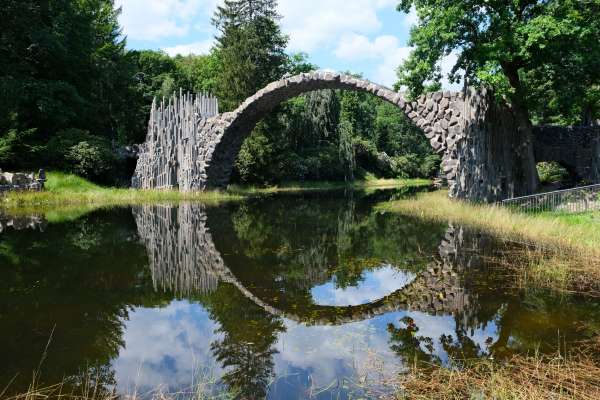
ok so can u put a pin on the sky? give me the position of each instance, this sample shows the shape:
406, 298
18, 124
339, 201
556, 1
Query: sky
361, 36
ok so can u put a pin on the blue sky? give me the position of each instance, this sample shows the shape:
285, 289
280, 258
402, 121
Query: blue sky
366, 36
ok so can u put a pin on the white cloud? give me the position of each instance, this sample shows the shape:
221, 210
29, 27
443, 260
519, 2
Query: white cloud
153, 20
313, 24
191, 48
446, 65
385, 50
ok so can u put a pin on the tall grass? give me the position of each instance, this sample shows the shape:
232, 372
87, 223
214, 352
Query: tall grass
578, 234
290, 187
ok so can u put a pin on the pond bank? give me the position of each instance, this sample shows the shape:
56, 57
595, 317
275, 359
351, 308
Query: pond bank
69, 190
579, 233
562, 376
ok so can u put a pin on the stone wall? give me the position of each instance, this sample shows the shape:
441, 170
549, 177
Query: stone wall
575, 148
22, 222
21, 182
495, 156
484, 156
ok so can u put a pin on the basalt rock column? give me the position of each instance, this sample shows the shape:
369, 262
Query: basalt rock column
167, 160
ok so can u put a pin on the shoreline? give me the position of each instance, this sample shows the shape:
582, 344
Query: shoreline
576, 234
65, 190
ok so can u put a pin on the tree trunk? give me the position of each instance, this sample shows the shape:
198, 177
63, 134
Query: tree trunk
525, 166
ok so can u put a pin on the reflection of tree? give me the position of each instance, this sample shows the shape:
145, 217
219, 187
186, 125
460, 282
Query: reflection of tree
297, 242
247, 344
51, 286
411, 347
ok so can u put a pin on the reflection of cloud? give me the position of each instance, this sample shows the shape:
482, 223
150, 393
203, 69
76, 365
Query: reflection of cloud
166, 347
331, 352
375, 285
436, 326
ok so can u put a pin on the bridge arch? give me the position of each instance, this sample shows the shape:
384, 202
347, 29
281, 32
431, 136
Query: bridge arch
438, 115
485, 156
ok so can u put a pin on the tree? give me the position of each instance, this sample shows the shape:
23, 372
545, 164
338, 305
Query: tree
250, 48
64, 65
521, 48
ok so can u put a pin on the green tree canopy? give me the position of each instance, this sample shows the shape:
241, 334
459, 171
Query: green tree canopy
250, 48
526, 50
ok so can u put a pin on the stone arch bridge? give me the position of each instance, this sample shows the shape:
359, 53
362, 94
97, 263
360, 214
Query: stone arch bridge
191, 147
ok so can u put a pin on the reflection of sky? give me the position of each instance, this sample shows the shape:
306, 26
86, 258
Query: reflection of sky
168, 346
375, 285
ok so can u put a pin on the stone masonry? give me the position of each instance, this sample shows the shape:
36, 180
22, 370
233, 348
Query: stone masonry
483, 157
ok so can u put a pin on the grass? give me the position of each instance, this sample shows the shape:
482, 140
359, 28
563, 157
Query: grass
64, 190
578, 234
369, 182
521, 378
67, 190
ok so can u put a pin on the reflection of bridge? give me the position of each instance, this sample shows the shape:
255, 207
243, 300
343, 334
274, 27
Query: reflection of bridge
185, 260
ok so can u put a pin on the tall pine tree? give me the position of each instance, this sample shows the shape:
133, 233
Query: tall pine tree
250, 46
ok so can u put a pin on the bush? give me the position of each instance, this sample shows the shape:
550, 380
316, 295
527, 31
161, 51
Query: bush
416, 166
17, 149
551, 172
79, 152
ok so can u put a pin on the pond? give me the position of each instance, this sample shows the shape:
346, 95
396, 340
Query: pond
290, 296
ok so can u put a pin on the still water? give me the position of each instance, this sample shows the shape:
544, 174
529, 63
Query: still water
287, 297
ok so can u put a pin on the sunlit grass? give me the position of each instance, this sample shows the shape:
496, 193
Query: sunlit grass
521, 378
69, 190
369, 183
579, 234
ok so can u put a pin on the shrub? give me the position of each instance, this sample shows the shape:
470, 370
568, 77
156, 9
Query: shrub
551, 172
78, 151
89, 160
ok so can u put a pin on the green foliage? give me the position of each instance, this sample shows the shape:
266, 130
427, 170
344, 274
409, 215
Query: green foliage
14, 144
250, 49
551, 172
544, 56
80, 152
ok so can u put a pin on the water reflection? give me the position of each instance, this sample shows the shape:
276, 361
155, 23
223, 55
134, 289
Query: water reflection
275, 298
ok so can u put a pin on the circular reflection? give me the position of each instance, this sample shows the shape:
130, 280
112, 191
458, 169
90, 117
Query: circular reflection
374, 285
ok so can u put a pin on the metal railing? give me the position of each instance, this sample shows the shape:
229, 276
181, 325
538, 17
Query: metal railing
580, 199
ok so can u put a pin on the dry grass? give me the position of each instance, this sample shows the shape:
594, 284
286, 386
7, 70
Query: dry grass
538, 268
559, 232
521, 378
88, 390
